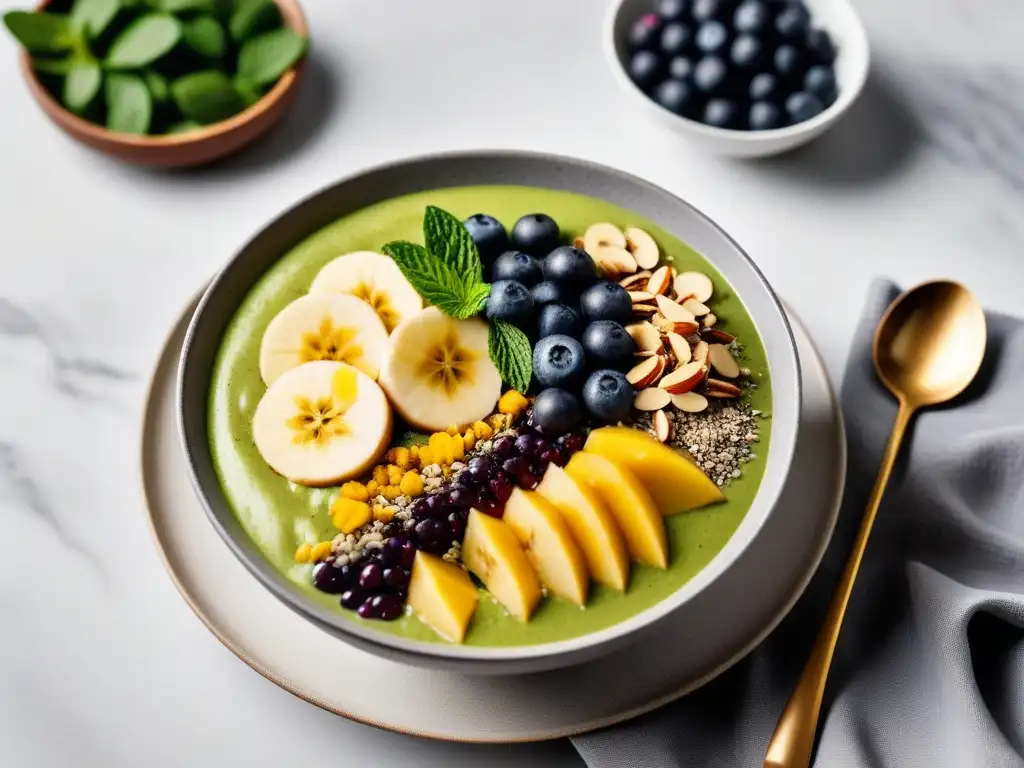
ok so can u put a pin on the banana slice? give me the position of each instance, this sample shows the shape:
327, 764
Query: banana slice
374, 278
323, 326
437, 371
322, 423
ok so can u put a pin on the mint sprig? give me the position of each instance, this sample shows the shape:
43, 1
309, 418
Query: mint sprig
448, 274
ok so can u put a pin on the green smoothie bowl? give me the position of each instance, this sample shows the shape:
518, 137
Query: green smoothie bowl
492, 412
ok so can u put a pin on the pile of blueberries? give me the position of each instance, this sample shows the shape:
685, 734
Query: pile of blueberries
574, 319
741, 64
377, 585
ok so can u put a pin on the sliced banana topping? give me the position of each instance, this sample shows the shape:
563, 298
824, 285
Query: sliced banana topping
323, 326
374, 278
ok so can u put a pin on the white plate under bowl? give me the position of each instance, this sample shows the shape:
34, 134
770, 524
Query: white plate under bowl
307, 661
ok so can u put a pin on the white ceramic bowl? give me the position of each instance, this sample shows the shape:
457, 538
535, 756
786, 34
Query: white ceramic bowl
837, 17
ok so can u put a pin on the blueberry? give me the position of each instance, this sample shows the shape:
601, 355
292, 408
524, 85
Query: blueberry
558, 319
672, 10
821, 81
763, 86
802, 106
788, 61
572, 268
548, 292
606, 300
750, 16
705, 10
680, 68
536, 234
608, 396
511, 302
489, 235
792, 23
674, 95
645, 69
709, 74
558, 361
556, 412
819, 44
644, 32
747, 52
518, 266
608, 345
721, 113
674, 39
712, 37
764, 116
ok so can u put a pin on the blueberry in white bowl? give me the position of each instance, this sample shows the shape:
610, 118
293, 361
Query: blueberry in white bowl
536, 234
557, 318
675, 38
605, 300
608, 396
510, 301
607, 344
674, 95
518, 266
556, 412
559, 361
570, 267
549, 292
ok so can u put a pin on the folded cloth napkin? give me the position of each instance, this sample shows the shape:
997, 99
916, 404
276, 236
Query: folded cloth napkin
929, 669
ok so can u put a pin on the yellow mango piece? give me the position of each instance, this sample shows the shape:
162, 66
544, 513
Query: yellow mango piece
442, 595
304, 554
411, 483
491, 550
549, 545
675, 483
344, 388
349, 514
512, 403
592, 525
642, 525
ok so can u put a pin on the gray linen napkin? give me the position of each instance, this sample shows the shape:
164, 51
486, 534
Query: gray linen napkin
929, 670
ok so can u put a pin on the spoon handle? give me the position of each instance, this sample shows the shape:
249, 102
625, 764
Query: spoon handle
793, 742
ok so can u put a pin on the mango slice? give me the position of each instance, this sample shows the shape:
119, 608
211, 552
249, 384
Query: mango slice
442, 595
492, 551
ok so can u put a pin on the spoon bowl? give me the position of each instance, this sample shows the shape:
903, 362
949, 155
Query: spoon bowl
930, 343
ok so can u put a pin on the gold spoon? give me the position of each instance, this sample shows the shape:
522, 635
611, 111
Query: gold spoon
928, 347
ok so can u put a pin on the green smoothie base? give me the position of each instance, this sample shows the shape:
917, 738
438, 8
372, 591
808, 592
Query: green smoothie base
279, 515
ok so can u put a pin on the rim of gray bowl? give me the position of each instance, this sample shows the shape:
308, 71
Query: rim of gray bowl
222, 297
614, 39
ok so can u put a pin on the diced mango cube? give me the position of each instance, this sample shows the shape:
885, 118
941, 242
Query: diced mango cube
304, 554
321, 551
349, 515
442, 595
356, 491
411, 484
512, 403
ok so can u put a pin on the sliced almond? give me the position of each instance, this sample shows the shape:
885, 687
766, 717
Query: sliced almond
683, 379
644, 309
721, 389
709, 320
680, 348
613, 261
690, 402
660, 281
646, 337
721, 360
694, 284
636, 282
640, 297
683, 321
643, 374
700, 352
644, 353
662, 426
717, 336
658, 321
579, 243
600, 234
651, 399
696, 308
642, 246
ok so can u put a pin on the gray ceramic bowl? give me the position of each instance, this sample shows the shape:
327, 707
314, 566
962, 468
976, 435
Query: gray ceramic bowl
226, 292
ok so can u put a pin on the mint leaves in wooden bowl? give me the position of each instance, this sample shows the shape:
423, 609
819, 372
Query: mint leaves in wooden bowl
163, 82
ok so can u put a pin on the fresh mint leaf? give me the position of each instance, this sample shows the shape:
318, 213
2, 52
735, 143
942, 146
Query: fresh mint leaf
81, 84
250, 17
148, 38
129, 105
264, 58
51, 66
185, 6
41, 32
436, 282
250, 92
185, 126
448, 239
206, 97
93, 16
409, 439
205, 36
510, 351
158, 86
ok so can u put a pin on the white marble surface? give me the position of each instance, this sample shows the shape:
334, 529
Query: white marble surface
101, 663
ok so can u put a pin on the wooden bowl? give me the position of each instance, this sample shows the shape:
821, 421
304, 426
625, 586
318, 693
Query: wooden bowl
188, 149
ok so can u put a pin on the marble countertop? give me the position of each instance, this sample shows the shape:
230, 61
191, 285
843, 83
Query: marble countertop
101, 663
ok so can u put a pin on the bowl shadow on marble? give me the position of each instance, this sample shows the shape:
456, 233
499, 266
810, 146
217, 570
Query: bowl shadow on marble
872, 142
